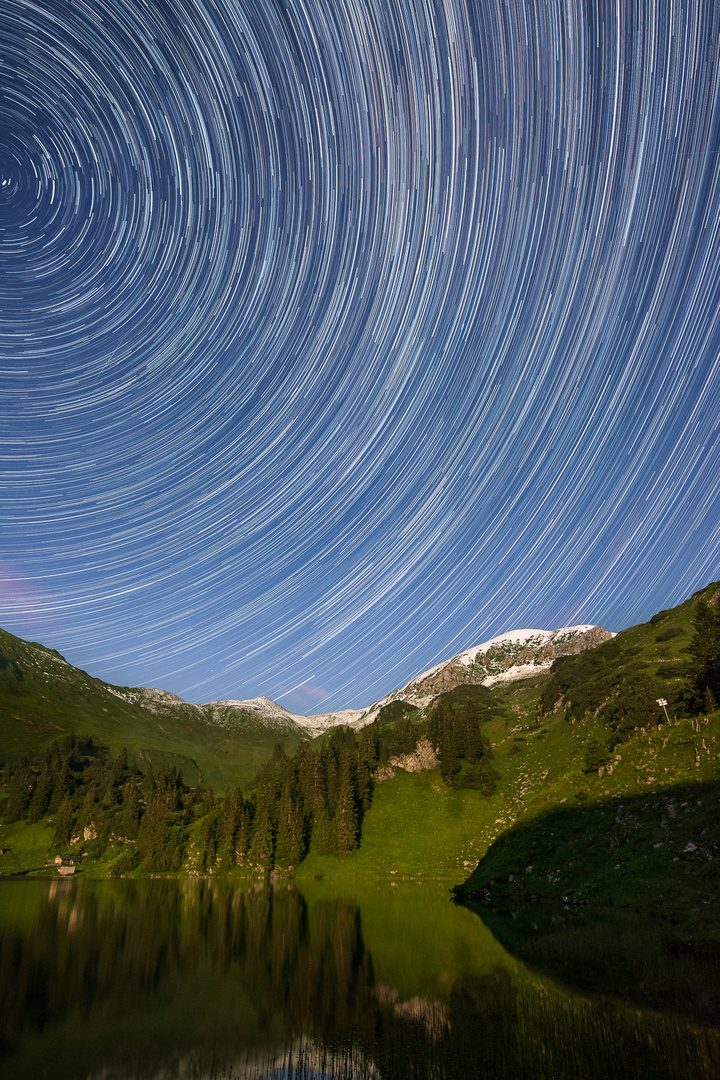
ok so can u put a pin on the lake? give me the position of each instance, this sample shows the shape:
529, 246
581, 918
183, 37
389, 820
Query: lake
152, 980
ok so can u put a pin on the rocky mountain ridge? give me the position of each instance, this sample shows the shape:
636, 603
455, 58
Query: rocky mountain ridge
233, 715
514, 655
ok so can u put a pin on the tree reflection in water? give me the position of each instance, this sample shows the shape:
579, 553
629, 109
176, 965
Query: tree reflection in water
197, 980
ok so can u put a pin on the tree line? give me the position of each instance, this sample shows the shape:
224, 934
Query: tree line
320, 795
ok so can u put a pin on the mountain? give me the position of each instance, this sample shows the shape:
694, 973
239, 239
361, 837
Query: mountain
260, 713
43, 697
511, 656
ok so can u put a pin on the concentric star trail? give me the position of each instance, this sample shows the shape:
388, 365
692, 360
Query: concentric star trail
337, 337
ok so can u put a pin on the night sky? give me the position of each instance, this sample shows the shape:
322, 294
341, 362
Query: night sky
338, 336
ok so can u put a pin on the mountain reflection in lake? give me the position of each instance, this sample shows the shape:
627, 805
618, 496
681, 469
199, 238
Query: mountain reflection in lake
148, 980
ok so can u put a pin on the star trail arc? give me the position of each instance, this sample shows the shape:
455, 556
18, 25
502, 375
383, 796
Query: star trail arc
335, 337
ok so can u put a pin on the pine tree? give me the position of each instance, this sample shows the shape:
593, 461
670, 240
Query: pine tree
147, 784
290, 844
244, 834
62, 788
595, 756
324, 832
155, 834
262, 845
64, 822
311, 780
346, 818
207, 842
704, 648
229, 821
127, 820
331, 768
20, 790
120, 767
41, 795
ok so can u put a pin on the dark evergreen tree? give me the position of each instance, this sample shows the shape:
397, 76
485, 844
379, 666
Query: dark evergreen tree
64, 822
364, 772
147, 784
121, 769
200, 801
455, 729
127, 819
228, 828
244, 835
346, 816
311, 779
207, 842
42, 794
261, 850
595, 755
62, 788
89, 810
20, 790
324, 832
704, 649
156, 841
290, 841
331, 768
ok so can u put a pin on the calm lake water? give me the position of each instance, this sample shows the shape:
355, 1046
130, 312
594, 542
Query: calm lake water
138, 980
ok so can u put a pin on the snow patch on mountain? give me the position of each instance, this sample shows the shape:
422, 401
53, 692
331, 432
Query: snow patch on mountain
505, 641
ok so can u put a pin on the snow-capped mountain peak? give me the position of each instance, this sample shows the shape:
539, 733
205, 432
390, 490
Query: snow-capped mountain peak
515, 654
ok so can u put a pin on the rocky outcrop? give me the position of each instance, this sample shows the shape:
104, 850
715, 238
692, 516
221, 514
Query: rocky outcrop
421, 759
253, 713
264, 712
589, 640
150, 698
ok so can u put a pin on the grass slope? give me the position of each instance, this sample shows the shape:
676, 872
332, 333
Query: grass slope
43, 698
637, 838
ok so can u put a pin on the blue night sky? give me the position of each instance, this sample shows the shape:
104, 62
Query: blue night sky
337, 336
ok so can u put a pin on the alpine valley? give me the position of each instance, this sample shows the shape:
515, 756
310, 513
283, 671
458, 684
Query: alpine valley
575, 768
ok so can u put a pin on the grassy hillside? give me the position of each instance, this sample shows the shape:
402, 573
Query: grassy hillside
627, 826
597, 705
585, 736
43, 698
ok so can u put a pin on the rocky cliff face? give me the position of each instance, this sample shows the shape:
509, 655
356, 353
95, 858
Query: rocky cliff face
422, 758
447, 678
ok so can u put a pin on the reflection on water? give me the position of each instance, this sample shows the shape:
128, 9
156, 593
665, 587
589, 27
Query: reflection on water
638, 959
202, 981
